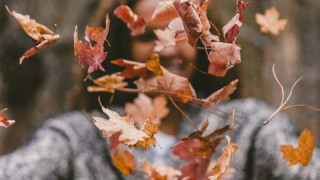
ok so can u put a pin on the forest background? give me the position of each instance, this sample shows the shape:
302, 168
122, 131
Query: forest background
44, 84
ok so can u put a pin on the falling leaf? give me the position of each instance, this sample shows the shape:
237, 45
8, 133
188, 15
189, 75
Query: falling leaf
133, 69
134, 22
40, 34
229, 174
164, 11
222, 94
303, 153
108, 83
270, 22
154, 64
4, 122
225, 160
130, 135
160, 172
144, 107
88, 54
150, 129
222, 57
123, 161
165, 37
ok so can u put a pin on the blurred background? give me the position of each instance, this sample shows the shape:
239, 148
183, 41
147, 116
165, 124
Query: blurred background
51, 82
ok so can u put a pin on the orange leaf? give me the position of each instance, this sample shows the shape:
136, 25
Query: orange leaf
108, 83
303, 153
160, 172
270, 22
225, 160
4, 120
124, 161
154, 64
165, 11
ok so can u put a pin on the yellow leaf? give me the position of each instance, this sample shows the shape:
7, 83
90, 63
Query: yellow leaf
124, 162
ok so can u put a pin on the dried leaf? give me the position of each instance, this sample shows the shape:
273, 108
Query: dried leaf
165, 11
4, 122
222, 94
88, 54
123, 161
165, 37
130, 135
144, 107
150, 129
222, 57
303, 153
160, 172
39, 33
134, 22
270, 22
225, 160
108, 83
133, 69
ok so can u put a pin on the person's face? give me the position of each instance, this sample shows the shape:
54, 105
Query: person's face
176, 59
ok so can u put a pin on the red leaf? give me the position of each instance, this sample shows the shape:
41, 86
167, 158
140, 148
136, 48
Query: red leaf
4, 122
134, 22
165, 11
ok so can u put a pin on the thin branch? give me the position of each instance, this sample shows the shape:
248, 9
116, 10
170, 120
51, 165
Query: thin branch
3, 110
277, 80
300, 105
215, 28
195, 67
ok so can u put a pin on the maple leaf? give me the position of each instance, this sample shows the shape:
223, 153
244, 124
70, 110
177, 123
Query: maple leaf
160, 172
130, 135
123, 161
144, 107
303, 153
108, 83
270, 22
4, 122
40, 34
165, 37
164, 11
225, 160
221, 94
133, 69
222, 57
88, 54
150, 129
134, 22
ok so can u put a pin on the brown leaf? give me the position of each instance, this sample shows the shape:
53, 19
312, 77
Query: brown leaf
270, 22
225, 160
130, 135
222, 94
222, 57
133, 69
108, 83
303, 153
150, 129
39, 33
134, 22
144, 107
123, 161
160, 172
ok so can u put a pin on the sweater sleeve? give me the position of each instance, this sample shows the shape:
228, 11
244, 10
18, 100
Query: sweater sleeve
259, 155
65, 147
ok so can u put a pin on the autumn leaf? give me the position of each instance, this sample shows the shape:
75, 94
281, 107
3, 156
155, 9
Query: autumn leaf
123, 161
270, 22
160, 172
164, 11
222, 94
108, 83
88, 54
134, 22
133, 69
130, 135
40, 34
222, 57
303, 153
225, 160
144, 107
4, 122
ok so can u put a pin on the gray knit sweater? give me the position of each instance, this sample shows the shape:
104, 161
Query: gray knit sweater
69, 146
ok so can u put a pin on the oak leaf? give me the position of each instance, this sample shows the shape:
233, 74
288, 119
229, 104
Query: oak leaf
225, 160
88, 54
144, 107
4, 122
123, 161
108, 83
40, 34
160, 172
134, 22
221, 94
270, 22
303, 153
222, 57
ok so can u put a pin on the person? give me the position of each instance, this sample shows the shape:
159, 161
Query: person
69, 146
